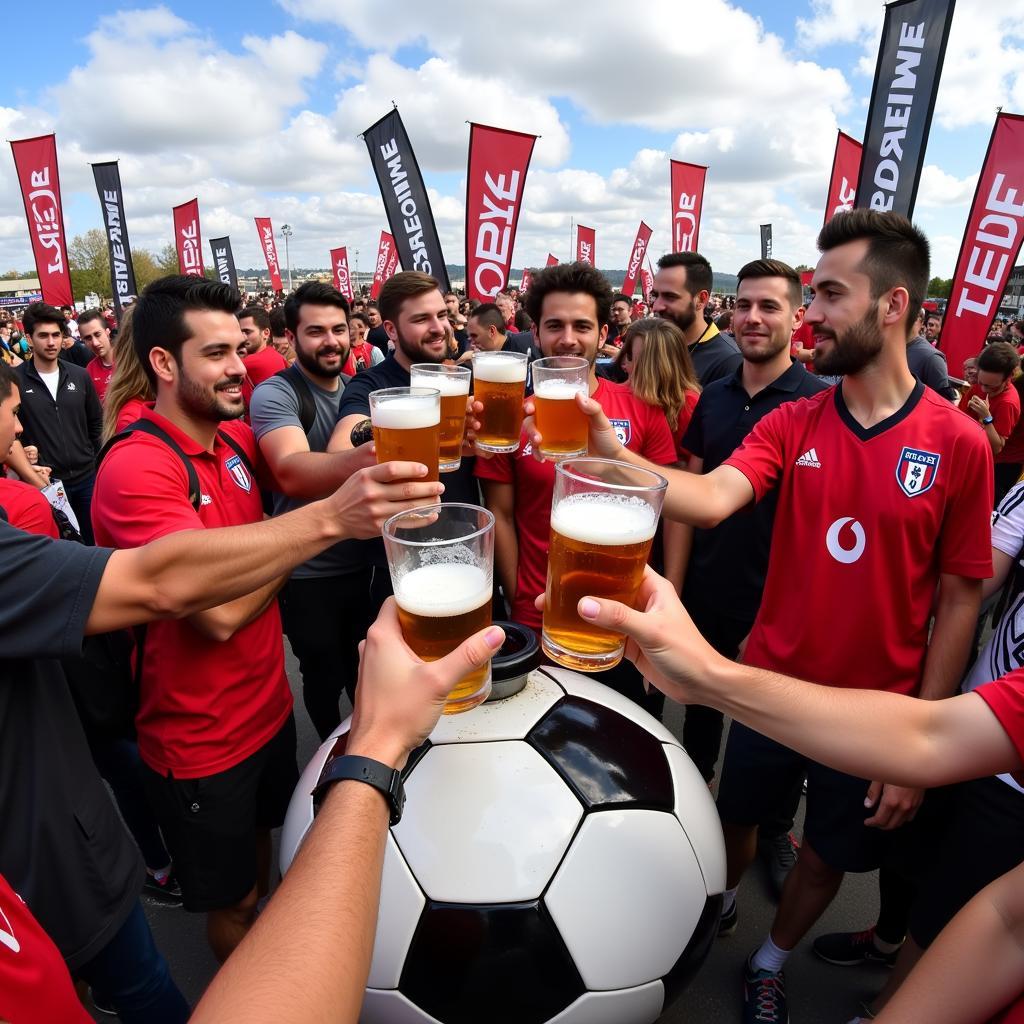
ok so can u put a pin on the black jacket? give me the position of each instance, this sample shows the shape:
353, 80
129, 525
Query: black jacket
66, 431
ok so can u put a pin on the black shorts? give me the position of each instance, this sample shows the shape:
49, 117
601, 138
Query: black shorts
758, 777
210, 824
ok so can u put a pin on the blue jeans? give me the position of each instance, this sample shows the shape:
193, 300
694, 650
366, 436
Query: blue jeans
131, 975
80, 496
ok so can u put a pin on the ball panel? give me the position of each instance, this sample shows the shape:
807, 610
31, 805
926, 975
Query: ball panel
627, 897
578, 685
696, 952
641, 1005
485, 822
401, 904
606, 759
509, 719
696, 809
391, 1007
500, 964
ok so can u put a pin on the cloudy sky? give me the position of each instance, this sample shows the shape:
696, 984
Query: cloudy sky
256, 108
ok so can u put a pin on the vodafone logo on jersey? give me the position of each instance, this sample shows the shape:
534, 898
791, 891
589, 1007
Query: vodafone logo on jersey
838, 537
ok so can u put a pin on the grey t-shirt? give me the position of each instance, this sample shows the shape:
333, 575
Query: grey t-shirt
274, 405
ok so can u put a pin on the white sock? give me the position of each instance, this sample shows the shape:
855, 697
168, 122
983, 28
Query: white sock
769, 957
728, 900
885, 947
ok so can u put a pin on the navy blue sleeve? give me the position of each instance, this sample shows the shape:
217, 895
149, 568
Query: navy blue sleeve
355, 401
693, 439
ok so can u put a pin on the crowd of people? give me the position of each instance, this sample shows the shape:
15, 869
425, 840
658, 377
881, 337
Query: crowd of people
188, 487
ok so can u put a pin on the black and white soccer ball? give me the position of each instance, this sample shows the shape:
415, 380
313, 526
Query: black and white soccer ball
560, 861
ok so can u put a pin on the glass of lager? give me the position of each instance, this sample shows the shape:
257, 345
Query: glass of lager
603, 518
556, 382
441, 571
499, 382
453, 383
406, 426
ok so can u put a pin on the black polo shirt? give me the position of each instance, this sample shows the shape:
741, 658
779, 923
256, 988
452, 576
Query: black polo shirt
714, 355
728, 563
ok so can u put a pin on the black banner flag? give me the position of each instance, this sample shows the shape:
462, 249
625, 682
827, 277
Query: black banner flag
224, 261
405, 198
122, 273
910, 59
766, 241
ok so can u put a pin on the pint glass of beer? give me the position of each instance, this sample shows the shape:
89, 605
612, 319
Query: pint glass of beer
603, 518
453, 383
406, 426
441, 571
557, 380
499, 382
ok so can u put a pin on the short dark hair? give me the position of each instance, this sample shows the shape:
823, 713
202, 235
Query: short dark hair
774, 268
371, 304
277, 324
259, 316
362, 317
312, 293
8, 380
407, 284
158, 320
619, 297
42, 313
699, 277
523, 321
90, 315
999, 357
929, 314
487, 314
898, 253
573, 278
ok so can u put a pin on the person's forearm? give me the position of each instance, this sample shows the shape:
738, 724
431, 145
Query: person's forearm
995, 439
224, 620
673, 541
506, 557
956, 618
317, 474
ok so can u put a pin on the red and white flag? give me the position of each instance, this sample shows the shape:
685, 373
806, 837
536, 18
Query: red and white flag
990, 246
646, 284
266, 232
498, 162
339, 264
636, 259
585, 239
387, 263
842, 186
687, 201
552, 261
36, 163
527, 280
187, 239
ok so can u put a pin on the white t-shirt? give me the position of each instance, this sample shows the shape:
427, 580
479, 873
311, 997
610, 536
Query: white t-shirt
50, 380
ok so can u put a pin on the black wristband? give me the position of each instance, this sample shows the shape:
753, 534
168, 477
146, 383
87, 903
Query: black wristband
363, 769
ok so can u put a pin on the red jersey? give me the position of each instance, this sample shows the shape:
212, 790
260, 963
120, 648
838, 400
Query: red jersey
258, 367
1005, 410
100, 375
27, 509
131, 411
867, 520
35, 985
204, 705
641, 427
685, 415
360, 357
802, 338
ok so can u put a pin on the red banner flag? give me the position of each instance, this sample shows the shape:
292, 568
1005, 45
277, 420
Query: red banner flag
527, 280
806, 277
498, 162
36, 163
990, 246
842, 186
266, 232
646, 284
187, 239
339, 264
636, 260
687, 202
387, 263
585, 239
552, 261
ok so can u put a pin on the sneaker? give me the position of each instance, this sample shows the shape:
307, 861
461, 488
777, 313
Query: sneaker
848, 949
764, 997
167, 893
779, 854
727, 922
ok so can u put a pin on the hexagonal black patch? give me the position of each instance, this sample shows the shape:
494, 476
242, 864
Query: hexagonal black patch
683, 970
605, 758
503, 964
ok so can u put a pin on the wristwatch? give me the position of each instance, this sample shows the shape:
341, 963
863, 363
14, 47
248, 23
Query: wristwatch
363, 769
987, 420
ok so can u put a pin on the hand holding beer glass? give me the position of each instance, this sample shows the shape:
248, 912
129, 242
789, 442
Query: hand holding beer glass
499, 383
557, 380
441, 559
604, 515
406, 426
453, 383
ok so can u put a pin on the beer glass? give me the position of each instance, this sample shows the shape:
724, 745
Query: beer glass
603, 518
441, 571
453, 383
406, 426
499, 382
557, 380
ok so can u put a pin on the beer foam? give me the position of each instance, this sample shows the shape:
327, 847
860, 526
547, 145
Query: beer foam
604, 519
498, 369
405, 414
458, 385
438, 591
559, 390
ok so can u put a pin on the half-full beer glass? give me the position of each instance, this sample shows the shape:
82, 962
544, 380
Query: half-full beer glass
603, 518
557, 380
499, 382
406, 426
453, 383
441, 571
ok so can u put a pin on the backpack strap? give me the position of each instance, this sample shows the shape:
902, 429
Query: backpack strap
238, 450
307, 403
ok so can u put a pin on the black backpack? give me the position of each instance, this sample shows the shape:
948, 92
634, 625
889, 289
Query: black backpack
307, 403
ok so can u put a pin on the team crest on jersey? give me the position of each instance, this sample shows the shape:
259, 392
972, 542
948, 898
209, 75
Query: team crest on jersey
916, 471
239, 473
623, 430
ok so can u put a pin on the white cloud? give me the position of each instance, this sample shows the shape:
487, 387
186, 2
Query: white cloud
841, 21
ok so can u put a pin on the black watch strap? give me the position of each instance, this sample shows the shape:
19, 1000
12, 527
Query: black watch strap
363, 769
